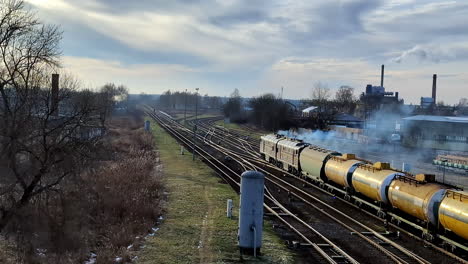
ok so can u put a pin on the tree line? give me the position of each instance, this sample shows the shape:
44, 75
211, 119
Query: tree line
181, 100
271, 112
266, 111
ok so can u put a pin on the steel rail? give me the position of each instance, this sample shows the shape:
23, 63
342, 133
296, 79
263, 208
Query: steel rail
318, 249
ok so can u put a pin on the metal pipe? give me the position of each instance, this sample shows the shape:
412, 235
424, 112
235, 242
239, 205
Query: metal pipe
255, 241
195, 125
185, 109
382, 76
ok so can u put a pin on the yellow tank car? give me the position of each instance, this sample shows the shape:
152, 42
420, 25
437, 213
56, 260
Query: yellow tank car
339, 169
312, 160
373, 180
417, 198
453, 212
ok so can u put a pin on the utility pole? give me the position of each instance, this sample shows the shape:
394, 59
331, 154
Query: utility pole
444, 164
196, 120
185, 109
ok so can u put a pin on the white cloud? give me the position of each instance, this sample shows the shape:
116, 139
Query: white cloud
144, 76
293, 43
175, 32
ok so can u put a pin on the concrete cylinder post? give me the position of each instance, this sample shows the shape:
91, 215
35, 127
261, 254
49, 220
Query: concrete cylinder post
229, 208
251, 212
147, 125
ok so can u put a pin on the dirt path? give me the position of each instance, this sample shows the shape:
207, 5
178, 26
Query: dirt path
206, 255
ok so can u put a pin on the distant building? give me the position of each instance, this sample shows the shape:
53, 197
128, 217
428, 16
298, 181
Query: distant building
309, 111
378, 93
343, 119
438, 132
427, 102
376, 98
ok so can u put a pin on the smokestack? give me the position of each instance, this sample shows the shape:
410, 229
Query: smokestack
381, 76
55, 94
434, 87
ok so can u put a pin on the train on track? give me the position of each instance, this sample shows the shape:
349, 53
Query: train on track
439, 206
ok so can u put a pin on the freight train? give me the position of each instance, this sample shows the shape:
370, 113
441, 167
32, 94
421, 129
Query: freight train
420, 196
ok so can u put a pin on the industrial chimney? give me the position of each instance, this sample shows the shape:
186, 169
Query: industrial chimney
434, 87
381, 76
55, 95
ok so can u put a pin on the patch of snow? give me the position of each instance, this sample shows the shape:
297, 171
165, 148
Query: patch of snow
129, 247
41, 252
118, 259
155, 229
92, 259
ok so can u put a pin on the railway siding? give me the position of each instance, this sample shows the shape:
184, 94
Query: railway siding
195, 228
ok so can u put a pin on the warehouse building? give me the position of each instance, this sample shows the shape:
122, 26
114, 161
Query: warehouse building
438, 132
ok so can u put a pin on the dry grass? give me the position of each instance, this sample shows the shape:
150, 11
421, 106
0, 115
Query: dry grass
101, 210
196, 229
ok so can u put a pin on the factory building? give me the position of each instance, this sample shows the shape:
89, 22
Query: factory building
427, 102
376, 98
438, 132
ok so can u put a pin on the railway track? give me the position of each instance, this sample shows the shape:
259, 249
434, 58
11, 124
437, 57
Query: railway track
325, 249
282, 194
395, 218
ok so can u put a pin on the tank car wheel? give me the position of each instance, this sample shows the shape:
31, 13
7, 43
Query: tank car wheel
428, 236
395, 221
358, 203
452, 248
381, 214
347, 197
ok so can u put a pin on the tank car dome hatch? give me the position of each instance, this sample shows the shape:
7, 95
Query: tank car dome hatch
381, 165
416, 198
453, 212
339, 169
425, 177
373, 180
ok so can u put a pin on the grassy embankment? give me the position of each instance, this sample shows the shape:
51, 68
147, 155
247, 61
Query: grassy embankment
196, 229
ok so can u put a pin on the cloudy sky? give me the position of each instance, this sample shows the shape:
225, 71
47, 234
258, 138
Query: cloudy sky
260, 46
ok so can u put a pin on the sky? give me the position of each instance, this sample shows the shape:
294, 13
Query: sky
260, 46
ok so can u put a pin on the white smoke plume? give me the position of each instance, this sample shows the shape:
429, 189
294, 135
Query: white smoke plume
434, 53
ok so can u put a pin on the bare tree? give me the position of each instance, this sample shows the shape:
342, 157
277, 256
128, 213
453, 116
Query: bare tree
345, 99
320, 95
270, 112
111, 96
463, 102
40, 144
320, 92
